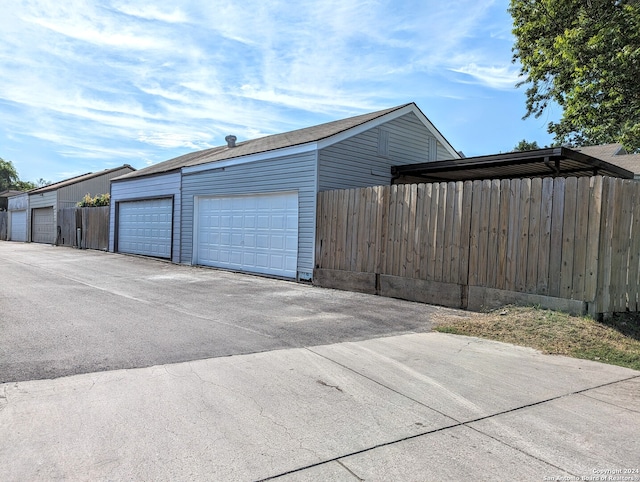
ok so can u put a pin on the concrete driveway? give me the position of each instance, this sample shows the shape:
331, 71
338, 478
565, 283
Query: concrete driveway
322, 385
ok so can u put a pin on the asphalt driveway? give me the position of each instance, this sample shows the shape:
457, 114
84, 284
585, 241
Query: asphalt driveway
66, 311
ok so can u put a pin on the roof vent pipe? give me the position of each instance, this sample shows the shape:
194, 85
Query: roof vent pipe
231, 141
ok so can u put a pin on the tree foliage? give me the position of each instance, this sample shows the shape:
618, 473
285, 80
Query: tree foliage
585, 56
525, 145
8, 175
9, 178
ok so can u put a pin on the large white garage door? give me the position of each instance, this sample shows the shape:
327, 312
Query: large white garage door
144, 227
256, 233
18, 225
43, 229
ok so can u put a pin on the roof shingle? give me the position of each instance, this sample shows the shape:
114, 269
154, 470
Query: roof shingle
262, 144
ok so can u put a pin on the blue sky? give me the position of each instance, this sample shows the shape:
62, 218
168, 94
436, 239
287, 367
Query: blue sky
87, 85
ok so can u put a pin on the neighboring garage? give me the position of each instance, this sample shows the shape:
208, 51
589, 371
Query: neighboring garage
40, 222
145, 227
18, 226
43, 227
251, 206
18, 206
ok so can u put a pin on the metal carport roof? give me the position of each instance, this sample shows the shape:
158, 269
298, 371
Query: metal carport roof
548, 162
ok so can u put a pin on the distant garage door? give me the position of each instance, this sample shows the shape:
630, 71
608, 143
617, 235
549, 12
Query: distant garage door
255, 233
43, 229
18, 225
144, 227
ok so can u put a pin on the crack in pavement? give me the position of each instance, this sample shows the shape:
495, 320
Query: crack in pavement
441, 429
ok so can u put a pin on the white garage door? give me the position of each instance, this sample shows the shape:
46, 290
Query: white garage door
255, 233
43, 229
144, 227
18, 225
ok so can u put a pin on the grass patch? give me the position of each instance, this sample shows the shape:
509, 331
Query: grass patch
615, 341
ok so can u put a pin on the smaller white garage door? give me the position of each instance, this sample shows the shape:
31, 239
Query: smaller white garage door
255, 233
144, 227
18, 226
42, 226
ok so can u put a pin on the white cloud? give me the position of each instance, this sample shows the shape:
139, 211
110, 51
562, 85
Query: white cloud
191, 140
496, 77
169, 14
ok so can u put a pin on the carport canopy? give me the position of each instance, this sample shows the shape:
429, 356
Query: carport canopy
548, 162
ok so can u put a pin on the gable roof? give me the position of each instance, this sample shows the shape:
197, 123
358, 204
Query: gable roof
299, 137
614, 154
77, 179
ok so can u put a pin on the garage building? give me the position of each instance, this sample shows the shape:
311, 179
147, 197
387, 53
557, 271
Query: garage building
35, 219
251, 206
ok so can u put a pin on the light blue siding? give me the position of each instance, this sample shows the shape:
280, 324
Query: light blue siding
443, 154
145, 188
290, 173
20, 203
357, 161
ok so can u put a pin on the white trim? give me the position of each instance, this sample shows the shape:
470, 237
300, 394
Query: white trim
316, 187
194, 239
260, 156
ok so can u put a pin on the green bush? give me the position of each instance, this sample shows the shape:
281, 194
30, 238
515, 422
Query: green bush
99, 200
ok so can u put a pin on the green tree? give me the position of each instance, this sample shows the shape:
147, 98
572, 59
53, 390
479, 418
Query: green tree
525, 145
585, 56
8, 175
9, 178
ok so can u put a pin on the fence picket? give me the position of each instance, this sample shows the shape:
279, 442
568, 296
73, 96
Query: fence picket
557, 223
568, 236
456, 240
465, 233
544, 247
493, 228
425, 259
580, 239
634, 250
593, 237
447, 252
474, 236
533, 240
433, 231
503, 235
523, 239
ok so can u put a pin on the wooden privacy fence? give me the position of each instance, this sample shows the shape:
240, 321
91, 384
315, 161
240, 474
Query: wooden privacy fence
93, 225
4, 220
568, 243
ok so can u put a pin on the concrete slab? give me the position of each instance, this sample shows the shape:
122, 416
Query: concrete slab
459, 453
467, 378
577, 433
235, 418
623, 394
